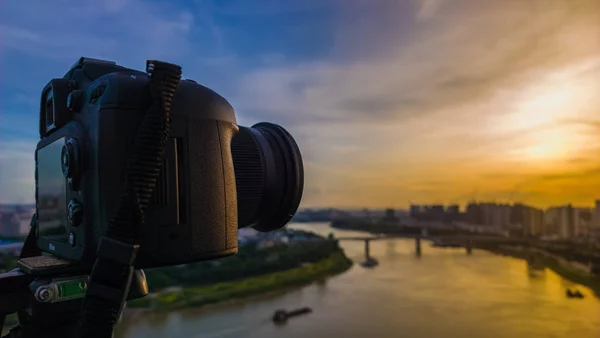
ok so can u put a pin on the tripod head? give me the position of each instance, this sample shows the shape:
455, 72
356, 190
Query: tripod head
46, 293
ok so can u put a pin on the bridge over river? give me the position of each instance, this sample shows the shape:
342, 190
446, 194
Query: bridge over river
459, 240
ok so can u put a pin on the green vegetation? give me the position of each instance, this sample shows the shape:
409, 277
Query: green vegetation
336, 263
253, 271
7, 262
250, 261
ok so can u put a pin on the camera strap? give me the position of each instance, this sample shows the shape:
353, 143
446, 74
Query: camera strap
111, 275
30, 248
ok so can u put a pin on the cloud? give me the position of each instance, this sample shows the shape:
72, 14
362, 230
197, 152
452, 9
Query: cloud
445, 91
381, 97
42, 39
423, 77
128, 29
427, 9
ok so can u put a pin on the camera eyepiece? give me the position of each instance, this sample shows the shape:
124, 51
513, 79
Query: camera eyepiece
269, 176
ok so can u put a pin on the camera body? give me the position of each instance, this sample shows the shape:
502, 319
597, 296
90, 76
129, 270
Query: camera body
88, 125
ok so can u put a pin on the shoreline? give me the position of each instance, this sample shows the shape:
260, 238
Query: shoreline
227, 293
558, 265
567, 272
133, 313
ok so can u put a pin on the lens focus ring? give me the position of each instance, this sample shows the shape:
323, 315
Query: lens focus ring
269, 176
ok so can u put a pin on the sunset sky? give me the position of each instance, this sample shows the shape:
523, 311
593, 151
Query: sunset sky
391, 102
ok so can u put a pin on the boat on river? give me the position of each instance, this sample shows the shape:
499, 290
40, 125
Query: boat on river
574, 294
281, 316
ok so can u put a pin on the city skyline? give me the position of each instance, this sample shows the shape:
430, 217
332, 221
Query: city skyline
395, 102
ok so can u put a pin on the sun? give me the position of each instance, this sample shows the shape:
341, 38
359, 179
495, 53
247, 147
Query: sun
545, 145
542, 113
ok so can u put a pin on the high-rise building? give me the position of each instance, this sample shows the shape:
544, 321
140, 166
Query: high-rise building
596, 215
561, 221
535, 222
474, 213
415, 211
452, 213
582, 221
501, 216
527, 218
437, 213
487, 213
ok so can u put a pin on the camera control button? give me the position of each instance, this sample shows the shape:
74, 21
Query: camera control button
72, 239
74, 100
75, 213
70, 162
65, 159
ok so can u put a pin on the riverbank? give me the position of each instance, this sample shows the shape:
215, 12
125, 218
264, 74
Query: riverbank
560, 266
172, 299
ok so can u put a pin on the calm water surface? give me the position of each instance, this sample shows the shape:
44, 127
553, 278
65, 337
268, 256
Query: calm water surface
445, 293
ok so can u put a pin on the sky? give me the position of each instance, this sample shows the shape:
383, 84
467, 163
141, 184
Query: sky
391, 102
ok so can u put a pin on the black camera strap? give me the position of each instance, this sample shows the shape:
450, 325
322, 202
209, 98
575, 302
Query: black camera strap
111, 275
30, 248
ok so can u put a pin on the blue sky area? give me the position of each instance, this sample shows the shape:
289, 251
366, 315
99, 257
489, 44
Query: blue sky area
218, 43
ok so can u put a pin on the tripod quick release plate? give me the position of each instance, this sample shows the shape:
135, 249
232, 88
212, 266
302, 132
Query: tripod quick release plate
48, 266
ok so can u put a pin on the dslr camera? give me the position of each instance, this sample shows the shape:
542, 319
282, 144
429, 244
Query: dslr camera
215, 176
137, 170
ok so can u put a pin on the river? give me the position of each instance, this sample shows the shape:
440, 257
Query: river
444, 293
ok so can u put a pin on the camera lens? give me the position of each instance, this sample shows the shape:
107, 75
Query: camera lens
269, 176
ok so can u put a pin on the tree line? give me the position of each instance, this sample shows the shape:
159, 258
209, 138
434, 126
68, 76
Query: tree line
250, 261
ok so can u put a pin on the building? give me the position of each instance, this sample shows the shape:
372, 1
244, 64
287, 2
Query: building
415, 211
596, 215
429, 213
390, 214
474, 214
437, 213
452, 213
560, 221
501, 216
533, 222
582, 221
488, 214
529, 219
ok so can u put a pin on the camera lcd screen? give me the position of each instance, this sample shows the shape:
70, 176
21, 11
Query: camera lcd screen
51, 192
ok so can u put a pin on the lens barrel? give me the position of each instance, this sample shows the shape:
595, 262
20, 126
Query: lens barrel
269, 176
